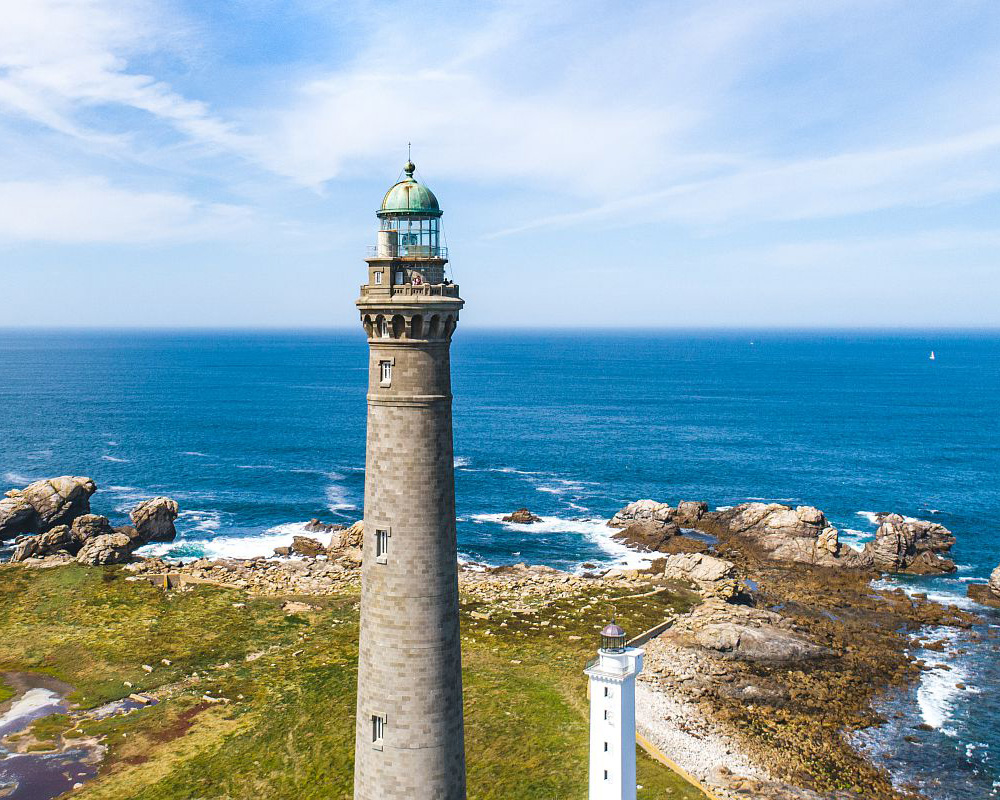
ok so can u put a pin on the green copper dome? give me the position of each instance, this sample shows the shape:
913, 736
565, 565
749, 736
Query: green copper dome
410, 197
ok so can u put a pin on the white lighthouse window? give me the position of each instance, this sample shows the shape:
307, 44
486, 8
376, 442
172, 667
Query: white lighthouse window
385, 373
605, 774
384, 330
381, 546
607, 692
378, 729
605, 747
378, 276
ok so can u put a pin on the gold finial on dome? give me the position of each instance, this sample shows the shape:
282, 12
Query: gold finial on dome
409, 168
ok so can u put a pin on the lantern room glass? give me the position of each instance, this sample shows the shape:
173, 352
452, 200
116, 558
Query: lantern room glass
416, 235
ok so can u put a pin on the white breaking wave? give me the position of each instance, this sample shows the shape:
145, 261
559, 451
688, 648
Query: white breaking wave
854, 539
594, 530
115, 459
194, 453
16, 477
871, 516
937, 692
202, 521
231, 546
337, 500
462, 461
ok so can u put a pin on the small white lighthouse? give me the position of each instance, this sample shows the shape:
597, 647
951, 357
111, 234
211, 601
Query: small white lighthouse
612, 716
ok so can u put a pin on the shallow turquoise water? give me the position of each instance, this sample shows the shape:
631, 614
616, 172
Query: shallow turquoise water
254, 433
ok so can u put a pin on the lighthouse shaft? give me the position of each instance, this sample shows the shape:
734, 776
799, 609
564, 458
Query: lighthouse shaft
410, 735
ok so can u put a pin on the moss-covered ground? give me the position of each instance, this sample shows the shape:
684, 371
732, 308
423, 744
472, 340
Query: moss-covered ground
259, 703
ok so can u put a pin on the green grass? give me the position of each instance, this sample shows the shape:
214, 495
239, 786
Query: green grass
287, 730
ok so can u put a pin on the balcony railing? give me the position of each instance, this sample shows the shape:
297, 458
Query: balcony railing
408, 251
411, 290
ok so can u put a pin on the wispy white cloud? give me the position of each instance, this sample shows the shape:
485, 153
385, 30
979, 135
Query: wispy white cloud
91, 210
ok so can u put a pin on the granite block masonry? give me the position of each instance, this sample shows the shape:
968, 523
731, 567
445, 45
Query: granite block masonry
410, 740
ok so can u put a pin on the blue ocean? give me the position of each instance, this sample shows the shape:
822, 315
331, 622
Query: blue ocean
254, 433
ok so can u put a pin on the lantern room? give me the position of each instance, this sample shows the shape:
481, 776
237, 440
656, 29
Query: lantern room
410, 221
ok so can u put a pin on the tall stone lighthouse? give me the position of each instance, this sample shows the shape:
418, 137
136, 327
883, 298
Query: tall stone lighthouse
410, 739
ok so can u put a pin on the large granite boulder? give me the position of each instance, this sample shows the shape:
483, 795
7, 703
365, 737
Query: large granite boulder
154, 520
306, 546
17, 516
904, 544
349, 538
994, 583
783, 533
743, 633
110, 548
689, 512
714, 577
644, 512
57, 540
42, 505
86, 527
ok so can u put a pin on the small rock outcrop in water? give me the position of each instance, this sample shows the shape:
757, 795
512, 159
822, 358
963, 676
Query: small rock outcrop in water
315, 526
60, 526
802, 535
522, 517
786, 534
987, 593
154, 520
646, 536
904, 544
43, 505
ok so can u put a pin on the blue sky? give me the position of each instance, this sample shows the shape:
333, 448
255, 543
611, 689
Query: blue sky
677, 164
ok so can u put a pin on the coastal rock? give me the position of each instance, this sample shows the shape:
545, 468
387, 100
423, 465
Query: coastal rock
307, 546
56, 501
689, 512
59, 539
714, 577
647, 512
348, 538
904, 544
782, 533
745, 634
315, 526
522, 517
86, 527
154, 520
647, 536
16, 516
987, 593
110, 548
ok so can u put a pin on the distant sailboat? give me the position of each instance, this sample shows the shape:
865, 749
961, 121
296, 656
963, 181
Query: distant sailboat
932, 355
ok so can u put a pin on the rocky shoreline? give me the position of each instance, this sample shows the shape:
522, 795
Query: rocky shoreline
754, 691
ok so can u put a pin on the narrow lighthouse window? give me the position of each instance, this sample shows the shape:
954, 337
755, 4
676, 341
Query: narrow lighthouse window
381, 546
378, 276
378, 728
384, 330
399, 277
386, 373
